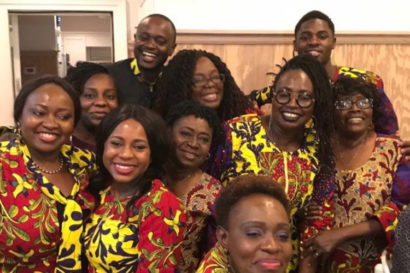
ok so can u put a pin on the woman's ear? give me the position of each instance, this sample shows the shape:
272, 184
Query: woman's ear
223, 236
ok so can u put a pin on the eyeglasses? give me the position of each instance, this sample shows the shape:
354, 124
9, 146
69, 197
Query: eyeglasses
200, 80
348, 104
304, 100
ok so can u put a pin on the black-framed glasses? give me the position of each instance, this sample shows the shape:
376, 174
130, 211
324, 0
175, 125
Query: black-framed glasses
348, 104
200, 80
283, 96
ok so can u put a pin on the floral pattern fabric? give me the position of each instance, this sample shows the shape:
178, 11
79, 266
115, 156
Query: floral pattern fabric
215, 261
387, 123
147, 239
249, 150
365, 193
200, 232
30, 232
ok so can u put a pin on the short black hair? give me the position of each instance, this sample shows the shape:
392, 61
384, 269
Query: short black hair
243, 186
162, 16
159, 144
192, 108
82, 72
31, 86
315, 14
347, 86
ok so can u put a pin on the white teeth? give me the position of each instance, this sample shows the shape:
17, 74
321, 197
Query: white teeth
290, 115
149, 54
210, 97
123, 167
355, 120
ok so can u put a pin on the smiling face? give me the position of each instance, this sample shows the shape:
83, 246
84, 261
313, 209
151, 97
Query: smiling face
154, 43
98, 99
210, 92
354, 121
291, 116
192, 139
258, 235
47, 120
316, 38
127, 153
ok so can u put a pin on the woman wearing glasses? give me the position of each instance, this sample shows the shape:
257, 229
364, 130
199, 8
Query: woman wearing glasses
372, 183
285, 145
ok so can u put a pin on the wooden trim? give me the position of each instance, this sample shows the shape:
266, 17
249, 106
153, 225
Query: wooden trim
272, 38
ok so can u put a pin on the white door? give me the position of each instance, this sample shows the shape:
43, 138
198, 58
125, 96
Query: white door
75, 47
15, 52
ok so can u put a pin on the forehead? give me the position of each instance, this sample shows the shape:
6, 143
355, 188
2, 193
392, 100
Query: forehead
129, 129
100, 78
156, 24
51, 95
354, 96
193, 122
204, 64
295, 79
258, 208
314, 25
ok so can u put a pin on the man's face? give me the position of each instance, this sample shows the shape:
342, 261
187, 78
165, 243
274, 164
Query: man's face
316, 38
154, 43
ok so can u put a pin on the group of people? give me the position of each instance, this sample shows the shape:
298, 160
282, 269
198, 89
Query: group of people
140, 167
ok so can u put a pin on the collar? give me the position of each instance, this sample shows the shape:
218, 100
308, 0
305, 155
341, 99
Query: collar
135, 69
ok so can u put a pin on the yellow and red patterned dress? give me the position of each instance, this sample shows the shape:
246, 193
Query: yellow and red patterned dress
248, 150
200, 233
148, 239
32, 239
378, 189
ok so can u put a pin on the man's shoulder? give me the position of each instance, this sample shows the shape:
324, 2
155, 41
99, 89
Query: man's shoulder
120, 64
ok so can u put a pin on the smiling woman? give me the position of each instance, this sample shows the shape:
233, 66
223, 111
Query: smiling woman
144, 220
98, 97
42, 182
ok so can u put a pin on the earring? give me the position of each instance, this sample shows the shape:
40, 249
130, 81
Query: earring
17, 132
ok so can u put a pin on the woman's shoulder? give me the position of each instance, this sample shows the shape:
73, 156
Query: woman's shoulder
387, 141
160, 197
252, 117
78, 157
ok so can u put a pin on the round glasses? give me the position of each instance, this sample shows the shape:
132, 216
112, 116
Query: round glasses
283, 96
201, 80
348, 104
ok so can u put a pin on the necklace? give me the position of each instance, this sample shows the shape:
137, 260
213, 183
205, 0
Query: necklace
59, 168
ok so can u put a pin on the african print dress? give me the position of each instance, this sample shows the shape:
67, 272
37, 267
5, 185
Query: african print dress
200, 233
377, 189
147, 239
249, 151
32, 239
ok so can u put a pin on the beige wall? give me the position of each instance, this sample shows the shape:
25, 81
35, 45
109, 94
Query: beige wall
251, 56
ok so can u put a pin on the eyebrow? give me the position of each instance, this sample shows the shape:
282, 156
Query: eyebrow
46, 107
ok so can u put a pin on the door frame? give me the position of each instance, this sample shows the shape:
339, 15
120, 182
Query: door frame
119, 18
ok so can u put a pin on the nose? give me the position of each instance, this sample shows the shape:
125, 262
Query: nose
314, 40
270, 244
151, 43
50, 121
126, 152
193, 142
293, 101
100, 101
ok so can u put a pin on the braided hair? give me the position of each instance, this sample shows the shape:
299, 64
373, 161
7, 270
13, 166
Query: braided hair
176, 85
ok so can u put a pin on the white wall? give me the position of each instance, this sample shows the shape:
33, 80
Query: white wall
275, 15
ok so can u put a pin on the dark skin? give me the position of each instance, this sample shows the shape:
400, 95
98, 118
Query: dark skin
315, 37
154, 43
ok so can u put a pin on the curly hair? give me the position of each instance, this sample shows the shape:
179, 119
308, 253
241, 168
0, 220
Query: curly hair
159, 144
348, 86
244, 186
82, 72
175, 85
192, 108
323, 107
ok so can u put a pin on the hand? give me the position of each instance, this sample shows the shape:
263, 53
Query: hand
405, 149
324, 243
312, 212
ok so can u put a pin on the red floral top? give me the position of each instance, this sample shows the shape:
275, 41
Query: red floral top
32, 239
148, 239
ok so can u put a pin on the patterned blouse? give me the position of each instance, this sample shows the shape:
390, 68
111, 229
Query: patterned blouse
249, 150
32, 238
365, 193
200, 232
147, 240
